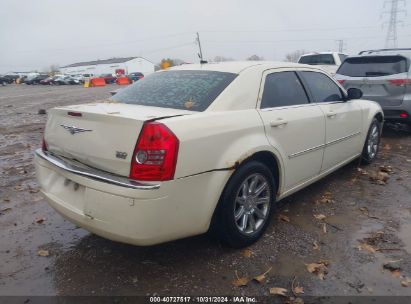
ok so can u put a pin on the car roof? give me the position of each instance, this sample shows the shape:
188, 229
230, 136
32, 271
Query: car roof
387, 52
236, 67
322, 53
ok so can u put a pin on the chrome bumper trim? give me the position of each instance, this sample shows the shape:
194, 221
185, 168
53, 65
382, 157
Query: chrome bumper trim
92, 173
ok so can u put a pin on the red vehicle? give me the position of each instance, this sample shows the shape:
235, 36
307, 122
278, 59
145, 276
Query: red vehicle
108, 78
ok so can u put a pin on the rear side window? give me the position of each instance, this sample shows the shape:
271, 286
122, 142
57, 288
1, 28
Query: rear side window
187, 90
374, 66
320, 59
283, 89
322, 87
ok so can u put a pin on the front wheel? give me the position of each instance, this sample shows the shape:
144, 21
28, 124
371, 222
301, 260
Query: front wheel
372, 142
245, 207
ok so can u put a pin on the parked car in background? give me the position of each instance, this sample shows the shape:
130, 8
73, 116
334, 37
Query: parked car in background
108, 78
3, 80
35, 79
47, 81
65, 80
133, 77
329, 61
11, 78
189, 149
78, 78
383, 76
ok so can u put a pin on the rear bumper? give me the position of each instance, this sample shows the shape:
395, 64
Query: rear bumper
173, 210
393, 113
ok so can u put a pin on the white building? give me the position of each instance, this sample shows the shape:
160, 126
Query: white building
110, 66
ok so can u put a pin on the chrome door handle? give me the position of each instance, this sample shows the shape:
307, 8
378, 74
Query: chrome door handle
331, 114
278, 123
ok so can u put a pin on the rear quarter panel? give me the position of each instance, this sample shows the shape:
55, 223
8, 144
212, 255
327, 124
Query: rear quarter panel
218, 140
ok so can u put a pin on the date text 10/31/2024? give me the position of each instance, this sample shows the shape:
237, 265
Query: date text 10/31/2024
240, 299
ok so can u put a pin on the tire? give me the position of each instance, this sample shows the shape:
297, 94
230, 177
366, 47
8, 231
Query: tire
237, 223
372, 142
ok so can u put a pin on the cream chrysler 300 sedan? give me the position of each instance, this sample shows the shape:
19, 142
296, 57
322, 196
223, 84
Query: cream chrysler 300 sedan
201, 147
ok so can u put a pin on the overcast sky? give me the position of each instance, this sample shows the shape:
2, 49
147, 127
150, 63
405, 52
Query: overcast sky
37, 33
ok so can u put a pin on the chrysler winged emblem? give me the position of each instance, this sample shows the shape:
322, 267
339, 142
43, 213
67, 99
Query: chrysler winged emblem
74, 130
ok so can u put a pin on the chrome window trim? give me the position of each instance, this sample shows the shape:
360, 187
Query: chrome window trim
323, 145
287, 107
93, 173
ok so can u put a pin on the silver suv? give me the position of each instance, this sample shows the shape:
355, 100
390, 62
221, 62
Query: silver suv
383, 76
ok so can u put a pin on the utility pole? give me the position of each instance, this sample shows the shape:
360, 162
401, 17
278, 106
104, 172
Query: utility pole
200, 54
392, 37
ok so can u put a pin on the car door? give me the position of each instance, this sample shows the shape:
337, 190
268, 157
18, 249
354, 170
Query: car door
343, 118
293, 126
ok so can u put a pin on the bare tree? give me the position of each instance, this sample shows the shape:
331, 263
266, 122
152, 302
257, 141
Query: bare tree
222, 59
255, 58
294, 56
52, 69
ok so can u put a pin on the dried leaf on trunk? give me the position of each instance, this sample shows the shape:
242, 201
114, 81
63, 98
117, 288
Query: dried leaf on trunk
5, 210
278, 291
43, 253
284, 218
316, 246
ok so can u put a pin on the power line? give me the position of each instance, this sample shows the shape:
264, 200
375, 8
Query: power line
392, 36
327, 29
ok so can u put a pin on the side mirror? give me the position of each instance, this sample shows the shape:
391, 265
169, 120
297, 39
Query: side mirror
354, 93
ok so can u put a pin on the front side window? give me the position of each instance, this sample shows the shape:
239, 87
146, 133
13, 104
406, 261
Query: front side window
322, 87
187, 90
320, 59
283, 89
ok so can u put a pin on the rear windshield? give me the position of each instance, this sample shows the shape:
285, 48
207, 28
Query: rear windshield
187, 90
321, 59
374, 66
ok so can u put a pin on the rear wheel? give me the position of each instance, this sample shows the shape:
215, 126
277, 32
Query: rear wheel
372, 142
245, 207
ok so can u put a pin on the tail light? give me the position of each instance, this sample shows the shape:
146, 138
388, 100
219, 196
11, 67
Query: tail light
400, 82
404, 115
341, 81
155, 154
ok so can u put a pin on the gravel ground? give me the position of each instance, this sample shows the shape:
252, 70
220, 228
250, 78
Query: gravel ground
367, 223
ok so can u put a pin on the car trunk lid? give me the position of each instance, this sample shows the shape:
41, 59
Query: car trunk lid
387, 90
101, 135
